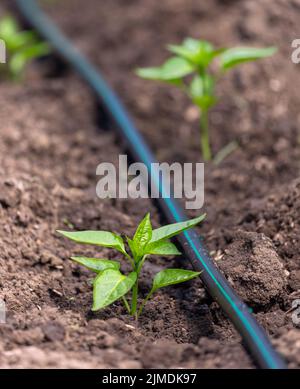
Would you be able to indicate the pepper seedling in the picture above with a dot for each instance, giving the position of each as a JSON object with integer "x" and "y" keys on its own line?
{"x": 21, "y": 46}
{"x": 110, "y": 284}
{"x": 190, "y": 70}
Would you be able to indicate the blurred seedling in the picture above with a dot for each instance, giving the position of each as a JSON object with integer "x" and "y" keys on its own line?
{"x": 22, "y": 47}
{"x": 191, "y": 70}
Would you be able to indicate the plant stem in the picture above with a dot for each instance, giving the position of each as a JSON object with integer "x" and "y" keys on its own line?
{"x": 126, "y": 304}
{"x": 139, "y": 262}
{"x": 138, "y": 267}
{"x": 204, "y": 134}
{"x": 134, "y": 298}
{"x": 225, "y": 152}
{"x": 130, "y": 260}
{"x": 144, "y": 303}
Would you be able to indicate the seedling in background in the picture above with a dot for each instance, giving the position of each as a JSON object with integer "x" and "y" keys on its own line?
{"x": 110, "y": 284}
{"x": 190, "y": 70}
{"x": 22, "y": 47}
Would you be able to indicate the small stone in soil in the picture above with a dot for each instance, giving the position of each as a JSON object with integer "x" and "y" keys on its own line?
{"x": 54, "y": 331}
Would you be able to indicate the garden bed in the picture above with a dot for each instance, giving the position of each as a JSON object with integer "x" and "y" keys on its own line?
{"x": 52, "y": 139}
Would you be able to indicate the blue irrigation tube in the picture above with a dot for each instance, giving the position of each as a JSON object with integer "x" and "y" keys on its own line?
{"x": 253, "y": 335}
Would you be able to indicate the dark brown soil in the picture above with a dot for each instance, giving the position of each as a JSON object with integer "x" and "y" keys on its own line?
{"x": 51, "y": 144}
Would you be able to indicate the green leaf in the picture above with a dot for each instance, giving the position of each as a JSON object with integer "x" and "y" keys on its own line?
{"x": 173, "y": 69}
{"x": 98, "y": 238}
{"x": 237, "y": 55}
{"x": 163, "y": 247}
{"x": 196, "y": 87}
{"x": 15, "y": 40}
{"x": 169, "y": 277}
{"x": 35, "y": 51}
{"x": 133, "y": 247}
{"x": 154, "y": 73}
{"x": 167, "y": 232}
{"x": 203, "y": 49}
{"x": 21, "y": 58}
{"x": 198, "y": 52}
{"x": 109, "y": 286}
{"x": 8, "y": 27}
{"x": 21, "y": 40}
{"x": 202, "y": 91}
{"x": 182, "y": 52}
{"x": 143, "y": 234}
{"x": 202, "y": 85}
{"x": 192, "y": 44}
{"x": 95, "y": 264}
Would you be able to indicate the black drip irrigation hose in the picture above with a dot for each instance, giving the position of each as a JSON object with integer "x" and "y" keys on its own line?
{"x": 253, "y": 335}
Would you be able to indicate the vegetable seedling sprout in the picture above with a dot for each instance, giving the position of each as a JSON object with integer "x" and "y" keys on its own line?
{"x": 191, "y": 71}
{"x": 110, "y": 284}
{"x": 21, "y": 46}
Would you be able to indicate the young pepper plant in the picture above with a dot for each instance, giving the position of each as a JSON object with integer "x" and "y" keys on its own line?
{"x": 21, "y": 46}
{"x": 190, "y": 70}
{"x": 110, "y": 284}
